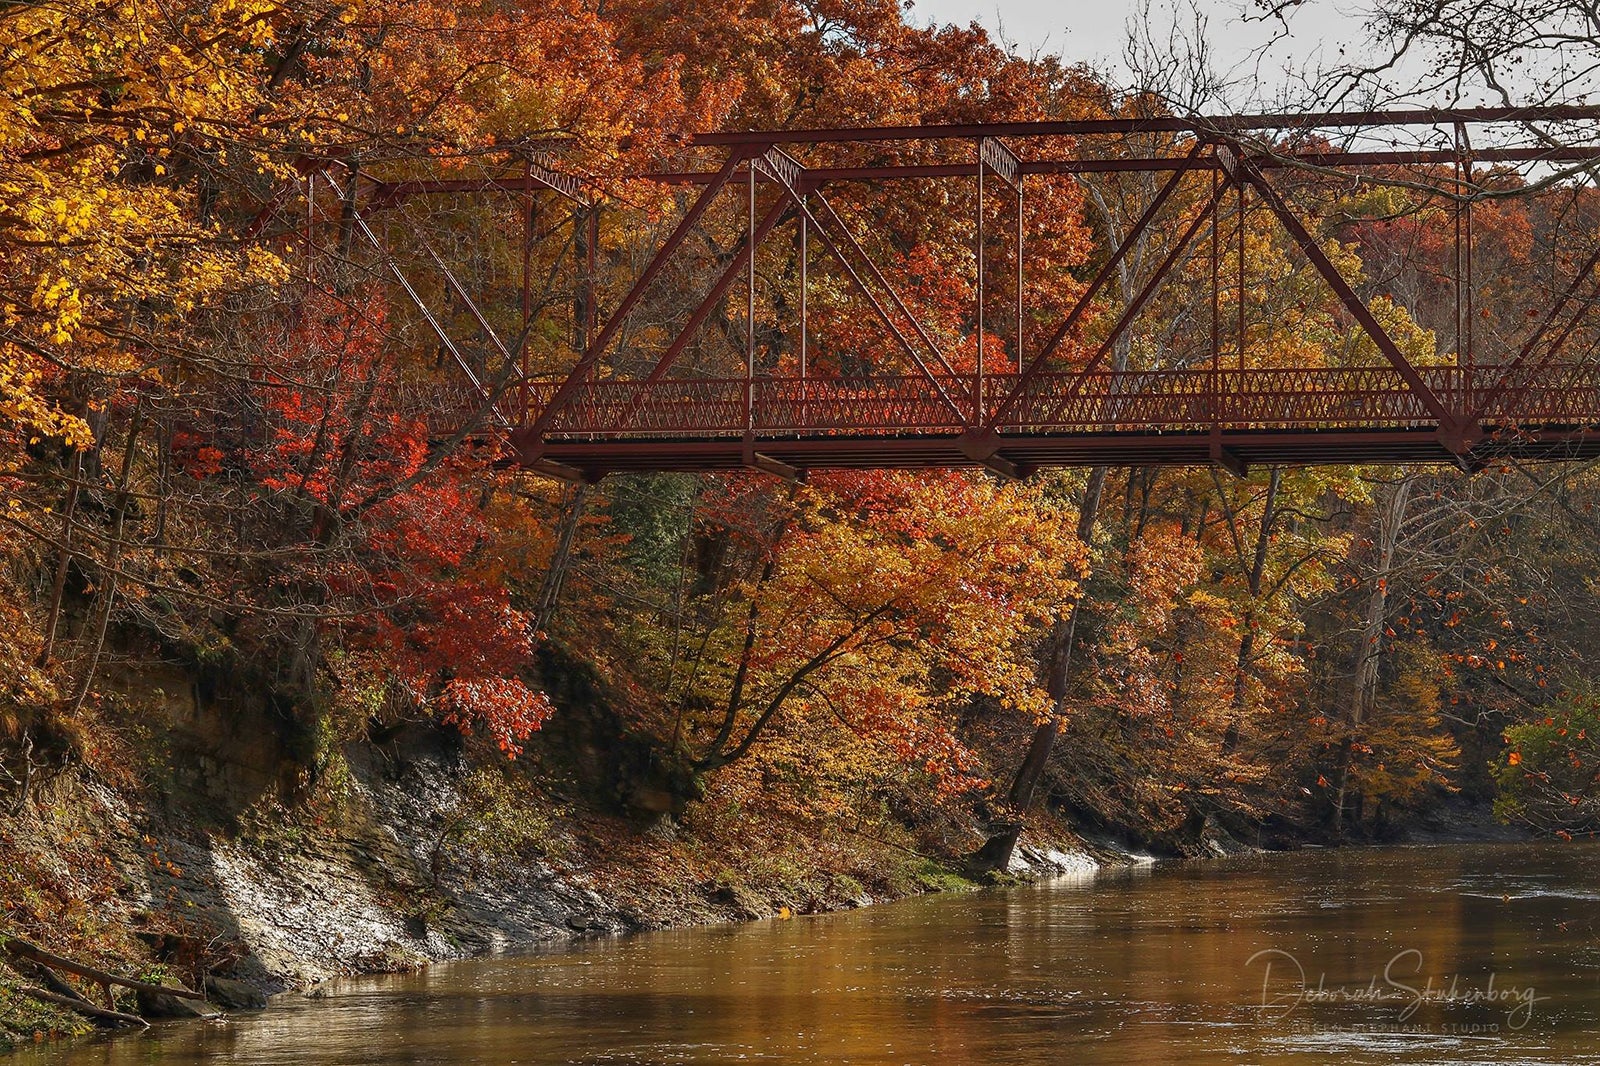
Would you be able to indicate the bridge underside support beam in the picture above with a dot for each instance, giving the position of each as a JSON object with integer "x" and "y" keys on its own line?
{"x": 1244, "y": 448}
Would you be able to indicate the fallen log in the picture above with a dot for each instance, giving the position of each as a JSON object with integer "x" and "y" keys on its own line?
{"x": 49, "y": 978}
{"x": 84, "y": 1007}
{"x": 21, "y": 949}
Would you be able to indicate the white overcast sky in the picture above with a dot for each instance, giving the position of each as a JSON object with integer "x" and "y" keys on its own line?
{"x": 1320, "y": 32}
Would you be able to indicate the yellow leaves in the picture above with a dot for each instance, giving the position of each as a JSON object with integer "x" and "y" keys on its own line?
{"x": 943, "y": 575}
{"x": 84, "y": 247}
{"x": 62, "y": 303}
{"x": 1419, "y": 345}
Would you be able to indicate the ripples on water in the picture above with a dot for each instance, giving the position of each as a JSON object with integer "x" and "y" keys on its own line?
{"x": 1146, "y": 966}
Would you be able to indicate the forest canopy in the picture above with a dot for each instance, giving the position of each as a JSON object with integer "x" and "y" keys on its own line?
{"x": 229, "y": 438}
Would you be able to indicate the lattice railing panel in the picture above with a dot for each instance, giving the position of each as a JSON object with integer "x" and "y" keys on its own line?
{"x": 1166, "y": 401}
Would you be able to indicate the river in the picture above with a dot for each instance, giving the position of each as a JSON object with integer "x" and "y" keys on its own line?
{"x": 1449, "y": 954}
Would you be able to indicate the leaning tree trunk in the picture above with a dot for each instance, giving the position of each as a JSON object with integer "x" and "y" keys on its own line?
{"x": 996, "y": 851}
{"x": 555, "y": 576}
{"x": 1369, "y": 649}
{"x": 113, "y": 560}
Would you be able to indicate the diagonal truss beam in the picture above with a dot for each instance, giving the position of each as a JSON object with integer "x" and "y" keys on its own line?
{"x": 791, "y": 177}
{"x": 894, "y": 295}
{"x": 1101, "y": 278}
{"x": 1502, "y": 384}
{"x": 1452, "y": 425}
{"x": 736, "y": 262}
{"x": 1129, "y": 313}
{"x": 485, "y": 393}
{"x": 528, "y": 438}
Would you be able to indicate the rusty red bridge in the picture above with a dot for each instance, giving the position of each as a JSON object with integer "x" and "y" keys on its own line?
{"x": 650, "y": 390}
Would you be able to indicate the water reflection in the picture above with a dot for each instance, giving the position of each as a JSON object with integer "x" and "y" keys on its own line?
{"x": 1136, "y": 966}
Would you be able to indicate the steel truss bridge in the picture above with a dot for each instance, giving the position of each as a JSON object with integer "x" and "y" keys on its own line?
{"x": 1064, "y": 402}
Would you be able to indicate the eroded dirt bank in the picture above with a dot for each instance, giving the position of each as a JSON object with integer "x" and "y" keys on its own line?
{"x": 401, "y": 854}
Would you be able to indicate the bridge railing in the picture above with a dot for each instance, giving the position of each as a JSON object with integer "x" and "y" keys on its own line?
{"x": 1156, "y": 401}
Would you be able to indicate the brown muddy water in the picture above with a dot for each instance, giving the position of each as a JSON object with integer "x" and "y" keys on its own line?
{"x": 1451, "y": 954}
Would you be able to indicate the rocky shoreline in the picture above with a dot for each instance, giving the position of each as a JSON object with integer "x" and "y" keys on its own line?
{"x": 206, "y": 868}
{"x": 398, "y": 866}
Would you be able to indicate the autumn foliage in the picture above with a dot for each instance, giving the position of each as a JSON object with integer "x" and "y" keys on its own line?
{"x": 231, "y": 439}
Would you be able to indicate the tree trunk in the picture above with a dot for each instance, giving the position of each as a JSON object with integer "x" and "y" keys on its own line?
{"x": 1247, "y": 638}
{"x": 113, "y": 558}
{"x": 555, "y": 575}
{"x": 996, "y": 851}
{"x": 1370, "y": 646}
{"x": 63, "y": 560}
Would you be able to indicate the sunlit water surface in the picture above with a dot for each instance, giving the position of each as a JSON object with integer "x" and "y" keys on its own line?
{"x": 1459, "y": 954}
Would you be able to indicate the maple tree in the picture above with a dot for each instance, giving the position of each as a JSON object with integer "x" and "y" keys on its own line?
{"x": 392, "y": 544}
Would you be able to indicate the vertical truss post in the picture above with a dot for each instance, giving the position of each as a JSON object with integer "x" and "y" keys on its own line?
{"x": 311, "y": 221}
{"x": 1459, "y": 187}
{"x": 750, "y": 310}
{"x": 527, "y": 245}
{"x": 1464, "y": 149}
{"x": 977, "y": 382}
{"x": 1220, "y": 456}
{"x": 1020, "y": 231}
{"x": 1216, "y": 309}
{"x": 1239, "y": 315}
{"x": 805, "y": 255}
{"x": 995, "y": 157}
{"x": 591, "y": 267}
{"x": 526, "y": 305}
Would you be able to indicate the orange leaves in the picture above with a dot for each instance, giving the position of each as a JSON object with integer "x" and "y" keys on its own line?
{"x": 894, "y": 597}
{"x": 469, "y": 75}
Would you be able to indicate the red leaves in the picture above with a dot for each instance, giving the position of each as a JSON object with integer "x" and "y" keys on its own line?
{"x": 510, "y": 710}
{"x": 398, "y": 541}
{"x": 194, "y": 457}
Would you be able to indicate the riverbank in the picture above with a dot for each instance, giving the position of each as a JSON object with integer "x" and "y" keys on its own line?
{"x": 1159, "y": 964}
{"x": 410, "y": 855}
{"x": 203, "y": 834}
